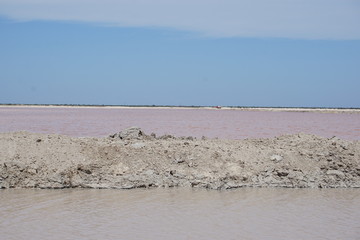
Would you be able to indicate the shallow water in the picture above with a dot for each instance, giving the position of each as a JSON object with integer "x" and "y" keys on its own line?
{"x": 180, "y": 214}
{"x": 229, "y": 124}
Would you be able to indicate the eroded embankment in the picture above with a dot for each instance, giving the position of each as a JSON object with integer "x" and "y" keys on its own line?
{"x": 131, "y": 159}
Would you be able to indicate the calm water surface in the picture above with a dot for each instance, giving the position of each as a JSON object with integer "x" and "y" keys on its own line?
{"x": 230, "y": 124}
{"x": 180, "y": 214}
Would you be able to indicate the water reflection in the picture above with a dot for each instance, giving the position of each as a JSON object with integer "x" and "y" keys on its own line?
{"x": 180, "y": 214}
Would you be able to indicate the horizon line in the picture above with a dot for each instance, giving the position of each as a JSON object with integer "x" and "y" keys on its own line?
{"x": 171, "y": 106}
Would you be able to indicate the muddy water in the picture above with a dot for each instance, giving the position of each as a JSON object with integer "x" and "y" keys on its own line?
{"x": 230, "y": 124}
{"x": 180, "y": 214}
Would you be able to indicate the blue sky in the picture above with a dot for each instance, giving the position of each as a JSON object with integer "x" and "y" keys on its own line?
{"x": 239, "y": 53}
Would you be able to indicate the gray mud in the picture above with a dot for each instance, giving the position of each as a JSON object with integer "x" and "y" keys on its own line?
{"x": 131, "y": 159}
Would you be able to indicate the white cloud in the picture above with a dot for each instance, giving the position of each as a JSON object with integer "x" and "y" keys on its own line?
{"x": 304, "y": 19}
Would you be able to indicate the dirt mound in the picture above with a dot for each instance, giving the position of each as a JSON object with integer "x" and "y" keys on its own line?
{"x": 132, "y": 159}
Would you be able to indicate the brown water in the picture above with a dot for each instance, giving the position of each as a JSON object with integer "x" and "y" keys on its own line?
{"x": 230, "y": 124}
{"x": 180, "y": 214}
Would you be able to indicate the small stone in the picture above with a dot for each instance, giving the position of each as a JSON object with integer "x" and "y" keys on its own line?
{"x": 149, "y": 172}
{"x": 166, "y": 137}
{"x": 282, "y": 173}
{"x": 295, "y": 175}
{"x": 138, "y": 145}
{"x": 129, "y": 133}
{"x": 335, "y": 172}
{"x": 231, "y": 184}
{"x": 4, "y": 185}
{"x": 270, "y": 180}
{"x": 345, "y": 147}
{"x": 276, "y": 158}
{"x": 32, "y": 171}
{"x": 179, "y": 160}
{"x": 84, "y": 169}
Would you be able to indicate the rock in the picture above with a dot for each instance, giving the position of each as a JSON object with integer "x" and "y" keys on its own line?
{"x": 85, "y": 169}
{"x": 231, "y": 184}
{"x": 276, "y": 158}
{"x": 4, "y": 185}
{"x": 295, "y": 175}
{"x": 179, "y": 157}
{"x": 129, "y": 133}
{"x": 166, "y": 137}
{"x": 32, "y": 171}
{"x": 344, "y": 146}
{"x": 178, "y": 160}
{"x": 270, "y": 180}
{"x": 15, "y": 165}
{"x": 138, "y": 145}
{"x": 335, "y": 172}
{"x": 149, "y": 172}
{"x": 282, "y": 173}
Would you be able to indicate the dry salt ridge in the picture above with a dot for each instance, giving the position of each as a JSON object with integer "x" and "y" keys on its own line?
{"x": 132, "y": 159}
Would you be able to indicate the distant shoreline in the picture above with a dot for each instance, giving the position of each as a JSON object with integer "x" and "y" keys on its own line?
{"x": 239, "y": 108}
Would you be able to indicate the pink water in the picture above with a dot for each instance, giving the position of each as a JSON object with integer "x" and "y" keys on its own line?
{"x": 318, "y": 214}
{"x": 230, "y": 124}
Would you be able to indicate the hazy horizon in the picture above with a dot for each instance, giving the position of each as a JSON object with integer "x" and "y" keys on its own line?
{"x": 180, "y": 106}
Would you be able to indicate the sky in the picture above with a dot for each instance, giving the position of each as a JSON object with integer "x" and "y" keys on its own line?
{"x": 269, "y": 53}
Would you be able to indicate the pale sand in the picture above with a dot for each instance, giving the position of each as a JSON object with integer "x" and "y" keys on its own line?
{"x": 31, "y": 160}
